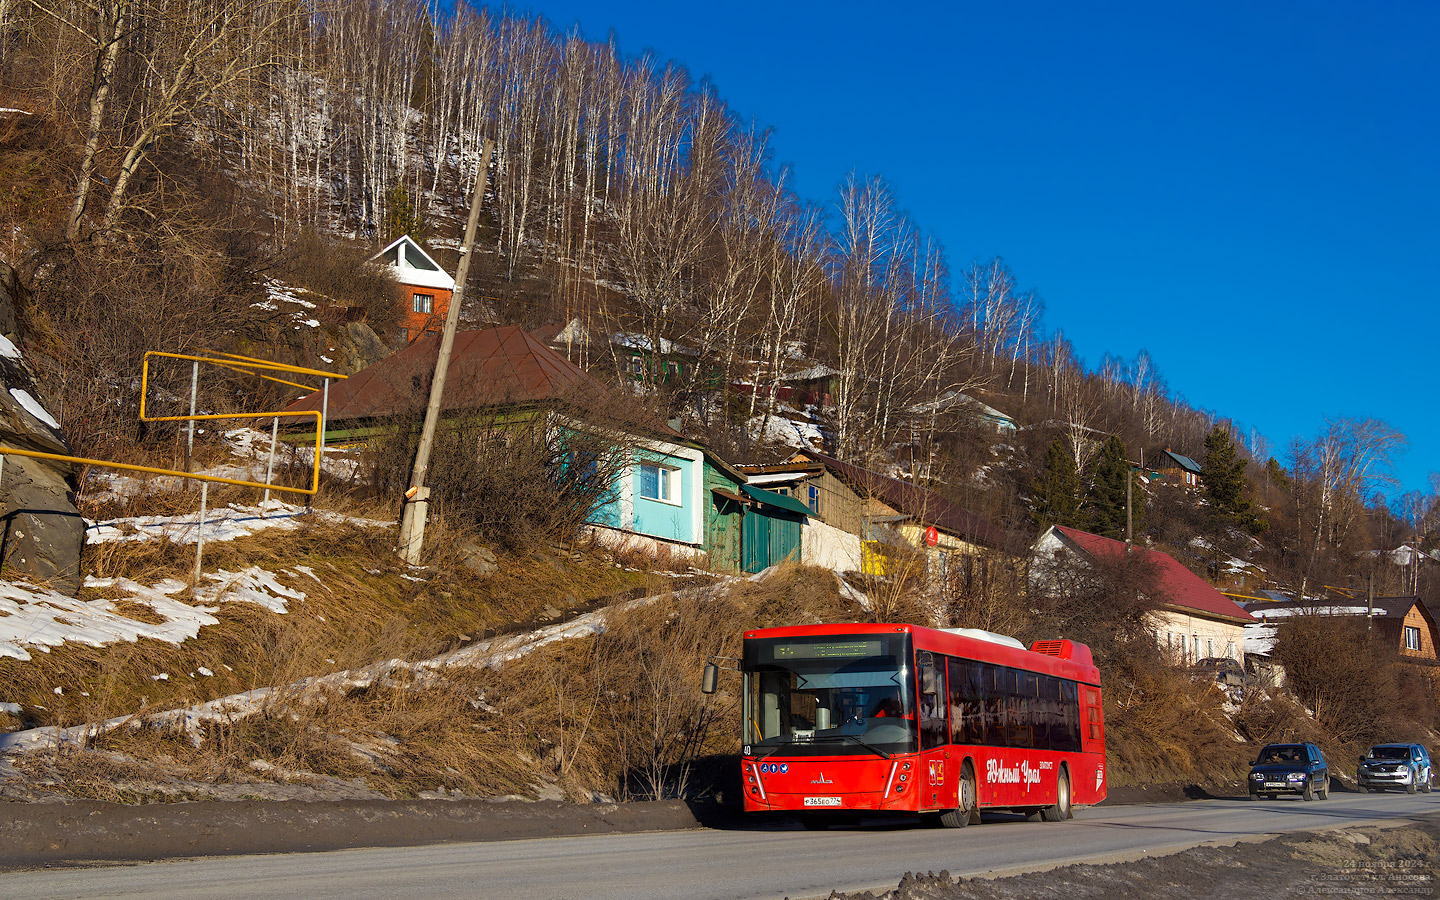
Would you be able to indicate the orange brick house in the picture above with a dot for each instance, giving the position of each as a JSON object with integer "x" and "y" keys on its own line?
{"x": 428, "y": 287}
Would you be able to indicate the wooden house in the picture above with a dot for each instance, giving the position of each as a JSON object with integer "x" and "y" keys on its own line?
{"x": 1409, "y": 626}
{"x": 427, "y": 287}
{"x": 1169, "y": 467}
{"x": 830, "y": 533}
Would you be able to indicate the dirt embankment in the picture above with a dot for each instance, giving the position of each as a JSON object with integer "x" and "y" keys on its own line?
{"x": 1361, "y": 862}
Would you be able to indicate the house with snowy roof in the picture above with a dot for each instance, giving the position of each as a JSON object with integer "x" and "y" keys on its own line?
{"x": 1193, "y": 621}
{"x": 428, "y": 287}
{"x": 1404, "y": 623}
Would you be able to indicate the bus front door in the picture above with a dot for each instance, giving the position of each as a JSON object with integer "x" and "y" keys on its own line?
{"x": 939, "y": 772}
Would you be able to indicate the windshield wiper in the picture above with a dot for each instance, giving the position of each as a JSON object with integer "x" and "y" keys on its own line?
{"x": 857, "y": 739}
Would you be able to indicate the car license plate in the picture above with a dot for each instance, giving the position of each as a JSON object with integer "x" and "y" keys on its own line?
{"x": 1274, "y": 784}
{"x": 822, "y": 801}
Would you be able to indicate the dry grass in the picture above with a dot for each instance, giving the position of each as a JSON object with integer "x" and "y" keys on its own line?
{"x": 1162, "y": 726}
{"x": 363, "y": 608}
{"x": 619, "y": 714}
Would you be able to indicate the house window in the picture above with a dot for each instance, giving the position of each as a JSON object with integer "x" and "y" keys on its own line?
{"x": 1412, "y": 637}
{"x": 1209, "y": 648}
{"x": 637, "y": 366}
{"x": 423, "y": 303}
{"x": 813, "y": 501}
{"x": 660, "y": 483}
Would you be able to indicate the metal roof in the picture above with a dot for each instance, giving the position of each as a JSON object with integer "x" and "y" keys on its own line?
{"x": 1185, "y": 462}
{"x": 773, "y": 499}
{"x": 488, "y": 368}
{"x": 1180, "y": 586}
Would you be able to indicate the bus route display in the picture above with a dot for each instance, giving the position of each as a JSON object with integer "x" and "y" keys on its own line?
{"x": 829, "y": 650}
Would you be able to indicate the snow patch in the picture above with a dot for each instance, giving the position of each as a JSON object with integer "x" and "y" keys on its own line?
{"x": 39, "y": 619}
{"x": 32, "y": 406}
{"x": 227, "y": 524}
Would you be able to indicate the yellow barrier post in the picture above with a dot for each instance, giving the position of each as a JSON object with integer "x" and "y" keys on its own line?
{"x": 232, "y": 362}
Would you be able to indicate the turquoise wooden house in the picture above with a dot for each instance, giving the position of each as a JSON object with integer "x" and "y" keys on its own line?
{"x": 659, "y": 498}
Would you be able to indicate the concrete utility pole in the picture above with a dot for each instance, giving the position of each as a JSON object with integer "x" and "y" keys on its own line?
{"x": 417, "y": 499}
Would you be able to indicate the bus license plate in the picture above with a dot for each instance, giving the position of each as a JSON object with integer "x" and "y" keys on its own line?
{"x": 822, "y": 801}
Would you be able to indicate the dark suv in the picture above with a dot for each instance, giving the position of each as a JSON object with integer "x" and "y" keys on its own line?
{"x": 1395, "y": 766}
{"x": 1290, "y": 769}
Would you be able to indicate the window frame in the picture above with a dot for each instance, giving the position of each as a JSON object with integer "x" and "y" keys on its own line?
{"x": 1409, "y": 632}
{"x": 429, "y": 303}
{"x": 667, "y": 483}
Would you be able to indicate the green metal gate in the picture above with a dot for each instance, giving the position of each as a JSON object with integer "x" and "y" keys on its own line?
{"x": 771, "y": 533}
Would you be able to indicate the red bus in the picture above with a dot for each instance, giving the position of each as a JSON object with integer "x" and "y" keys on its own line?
{"x": 899, "y": 718}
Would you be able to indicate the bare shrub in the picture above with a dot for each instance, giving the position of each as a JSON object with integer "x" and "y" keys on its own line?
{"x": 988, "y": 591}
{"x": 1343, "y": 674}
{"x": 647, "y": 663}
{"x": 1103, "y": 602}
{"x": 515, "y": 479}
{"x": 903, "y": 593}
{"x": 342, "y": 271}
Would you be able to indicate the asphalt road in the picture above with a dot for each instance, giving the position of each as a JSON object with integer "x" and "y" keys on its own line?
{"x": 754, "y": 863}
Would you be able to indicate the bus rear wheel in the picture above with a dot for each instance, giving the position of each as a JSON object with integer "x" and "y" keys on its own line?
{"x": 968, "y": 810}
{"x": 1061, "y": 810}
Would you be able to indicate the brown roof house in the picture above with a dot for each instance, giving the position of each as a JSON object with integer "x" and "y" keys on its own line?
{"x": 1195, "y": 621}
{"x": 658, "y": 496}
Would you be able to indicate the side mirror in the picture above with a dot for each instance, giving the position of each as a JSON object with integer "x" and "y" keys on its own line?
{"x": 710, "y": 679}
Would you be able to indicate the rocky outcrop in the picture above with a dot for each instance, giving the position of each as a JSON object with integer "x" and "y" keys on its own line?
{"x": 41, "y": 532}
{"x": 362, "y": 347}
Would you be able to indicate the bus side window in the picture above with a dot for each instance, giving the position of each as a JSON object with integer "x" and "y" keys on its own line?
{"x": 1070, "y": 716}
{"x": 1041, "y": 711}
{"x": 967, "y": 702}
{"x": 994, "y": 707}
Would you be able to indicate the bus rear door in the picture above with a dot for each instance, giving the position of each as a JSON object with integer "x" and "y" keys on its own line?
{"x": 1089, "y": 787}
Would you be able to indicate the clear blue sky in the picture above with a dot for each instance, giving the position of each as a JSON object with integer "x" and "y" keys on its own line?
{"x": 1247, "y": 190}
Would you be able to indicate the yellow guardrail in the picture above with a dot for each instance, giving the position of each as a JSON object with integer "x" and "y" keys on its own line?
{"x": 234, "y": 363}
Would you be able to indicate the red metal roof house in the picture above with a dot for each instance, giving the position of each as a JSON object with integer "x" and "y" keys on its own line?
{"x": 1194, "y": 622}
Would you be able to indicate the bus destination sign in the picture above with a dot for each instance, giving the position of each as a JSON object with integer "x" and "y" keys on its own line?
{"x": 829, "y": 650}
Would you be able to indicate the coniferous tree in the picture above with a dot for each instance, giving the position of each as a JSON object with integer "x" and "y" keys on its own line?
{"x": 1057, "y": 491}
{"x": 1275, "y": 474}
{"x": 1105, "y": 502}
{"x": 1223, "y": 477}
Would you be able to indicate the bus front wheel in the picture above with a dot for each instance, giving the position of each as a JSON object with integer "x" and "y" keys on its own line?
{"x": 968, "y": 811}
{"x": 1061, "y": 810}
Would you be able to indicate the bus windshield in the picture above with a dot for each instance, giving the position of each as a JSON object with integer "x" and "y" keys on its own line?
{"x": 833, "y": 695}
